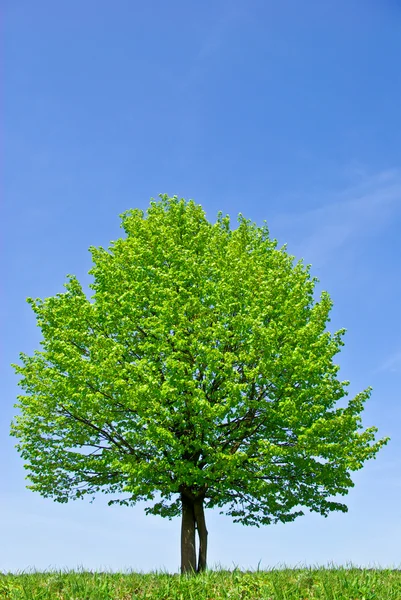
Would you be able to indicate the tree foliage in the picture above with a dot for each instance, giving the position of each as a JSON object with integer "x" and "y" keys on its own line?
{"x": 202, "y": 365}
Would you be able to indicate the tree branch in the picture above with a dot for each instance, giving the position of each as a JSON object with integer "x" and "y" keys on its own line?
{"x": 88, "y": 423}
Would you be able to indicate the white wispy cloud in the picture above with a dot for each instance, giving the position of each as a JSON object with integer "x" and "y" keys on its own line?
{"x": 341, "y": 219}
{"x": 219, "y": 31}
{"x": 392, "y": 364}
{"x": 216, "y": 35}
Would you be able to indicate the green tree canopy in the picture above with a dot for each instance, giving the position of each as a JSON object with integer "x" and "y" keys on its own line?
{"x": 200, "y": 369}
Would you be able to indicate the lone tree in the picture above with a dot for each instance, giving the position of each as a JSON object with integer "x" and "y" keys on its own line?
{"x": 201, "y": 370}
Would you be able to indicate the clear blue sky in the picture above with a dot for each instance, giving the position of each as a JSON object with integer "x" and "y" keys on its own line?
{"x": 286, "y": 111}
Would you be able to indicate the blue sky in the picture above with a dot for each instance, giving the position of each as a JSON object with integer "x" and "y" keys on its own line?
{"x": 284, "y": 111}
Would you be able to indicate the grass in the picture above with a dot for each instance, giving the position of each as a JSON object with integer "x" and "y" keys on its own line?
{"x": 277, "y": 584}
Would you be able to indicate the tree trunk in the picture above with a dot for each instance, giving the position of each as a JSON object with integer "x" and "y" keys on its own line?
{"x": 188, "y": 553}
{"x": 202, "y": 532}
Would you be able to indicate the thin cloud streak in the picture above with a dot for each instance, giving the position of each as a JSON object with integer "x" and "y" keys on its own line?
{"x": 320, "y": 233}
{"x": 392, "y": 364}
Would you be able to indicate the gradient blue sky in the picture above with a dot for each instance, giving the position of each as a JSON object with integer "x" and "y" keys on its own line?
{"x": 284, "y": 111}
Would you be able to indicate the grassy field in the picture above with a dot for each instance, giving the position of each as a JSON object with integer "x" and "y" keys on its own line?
{"x": 277, "y": 584}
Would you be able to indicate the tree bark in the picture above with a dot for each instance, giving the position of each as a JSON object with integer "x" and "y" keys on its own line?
{"x": 188, "y": 552}
{"x": 199, "y": 513}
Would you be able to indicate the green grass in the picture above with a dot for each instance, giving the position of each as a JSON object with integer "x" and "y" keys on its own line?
{"x": 349, "y": 583}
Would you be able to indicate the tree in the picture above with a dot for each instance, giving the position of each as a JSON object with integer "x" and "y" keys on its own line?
{"x": 201, "y": 370}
